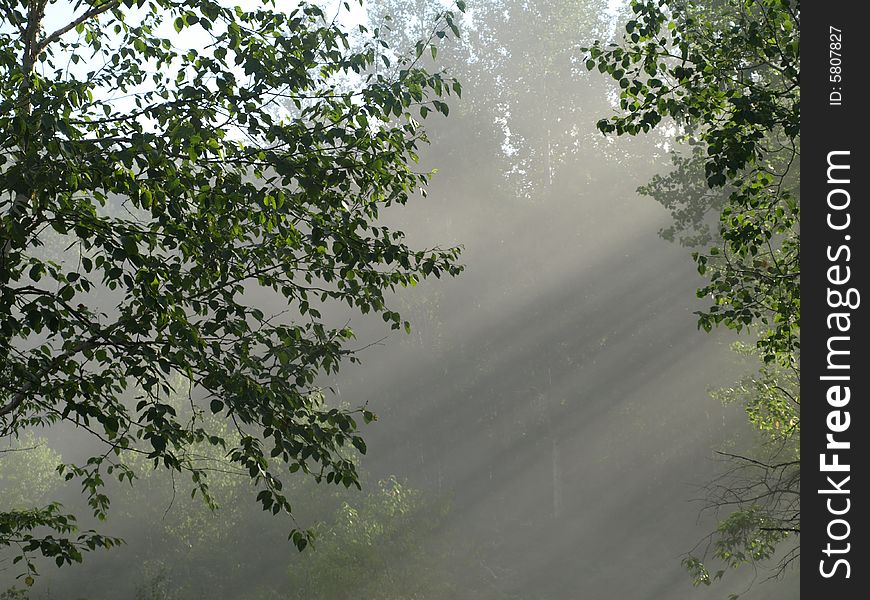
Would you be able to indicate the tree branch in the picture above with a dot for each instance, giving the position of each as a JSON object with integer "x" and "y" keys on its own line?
{"x": 19, "y": 396}
{"x": 94, "y": 12}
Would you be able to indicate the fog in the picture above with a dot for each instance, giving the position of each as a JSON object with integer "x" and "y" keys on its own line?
{"x": 550, "y": 406}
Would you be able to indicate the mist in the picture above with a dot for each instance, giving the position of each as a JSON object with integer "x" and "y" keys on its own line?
{"x": 548, "y": 416}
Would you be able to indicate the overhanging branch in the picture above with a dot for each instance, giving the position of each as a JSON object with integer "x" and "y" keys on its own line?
{"x": 94, "y": 12}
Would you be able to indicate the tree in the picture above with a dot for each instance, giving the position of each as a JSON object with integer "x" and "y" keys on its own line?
{"x": 731, "y": 81}
{"x": 386, "y": 546}
{"x": 760, "y": 491}
{"x": 377, "y": 547}
{"x": 212, "y": 190}
{"x": 522, "y": 60}
{"x": 726, "y": 73}
{"x": 387, "y": 542}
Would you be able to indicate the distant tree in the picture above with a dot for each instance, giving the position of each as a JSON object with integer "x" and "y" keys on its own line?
{"x": 212, "y": 190}
{"x": 520, "y": 62}
{"x": 27, "y": 472}
{"x": 384, "y": 543}
{"x": 173, "y": 534}
{"x": 693, "y": 204}
{"x": 726, "y": 74}
{"x": 386, "y": 546}
{"x": 379, "y": 547}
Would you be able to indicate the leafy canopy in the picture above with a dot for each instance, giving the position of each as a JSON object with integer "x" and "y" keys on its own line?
{"x": 183, "y": 187}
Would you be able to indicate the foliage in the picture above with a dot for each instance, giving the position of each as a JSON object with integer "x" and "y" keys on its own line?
{"x": 693, "y": 205}
{"x": 726, "y": 74}
{"x": 761, "y": 490}
{"x": 383, "y": 544}
{"x": 27, "y": 471}
{"x": 197, "y": 188}
{"x": 386, "y": 547}
{"x": 374, "y": 549}
{"x": 173, "y": 536}
{"x": 27, "y": 478}
{"x": 771, "y": 398}
{"x": 175, "y": 552}
{"x": 14, "y": 594}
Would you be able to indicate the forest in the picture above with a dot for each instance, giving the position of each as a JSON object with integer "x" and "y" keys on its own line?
{"x": 399, "y": 299}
